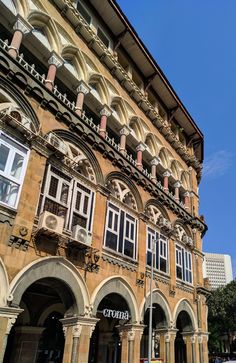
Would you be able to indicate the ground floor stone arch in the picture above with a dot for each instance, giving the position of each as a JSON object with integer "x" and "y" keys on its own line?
{"x": 185, "y": 323}
{"x": 52, "y": 297}
{"x": 161, "y": 322}
{"x": 117, "y": 333}
{"x": 121, "y": 287}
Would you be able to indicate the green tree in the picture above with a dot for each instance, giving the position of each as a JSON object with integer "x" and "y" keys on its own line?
{"x": 221, "y": 314}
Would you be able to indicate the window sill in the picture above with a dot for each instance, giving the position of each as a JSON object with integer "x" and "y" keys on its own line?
{"x": 7, "y": 214}
{"x": 184, "y": 284}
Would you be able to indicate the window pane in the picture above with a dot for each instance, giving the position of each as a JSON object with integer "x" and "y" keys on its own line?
{"x": 86, "y": 200}
{"x": 55, "y": 208}
{"x": 149, "y": 258}
{"x": 53, "y": 187}
{"x": 179, "y": 272}
{"x": 127, "y": 229}
{"x": 111, "y": 240}
{"x": 110, "y": 215}
{"x": 4, "y": 152}
{"x": 116, "y": 223}
{"x": 163, "y": 264}
{"x": 8, "y": 192}
{"x": 78, "y": 201}
{"x": 17, "y": 166}
{"x": 129, "y": 249}
{"x": 64, "y": 193}
{"x": 132, "y": 231}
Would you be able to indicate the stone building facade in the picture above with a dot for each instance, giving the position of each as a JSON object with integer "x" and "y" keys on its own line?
{"x": 100, "y": 164}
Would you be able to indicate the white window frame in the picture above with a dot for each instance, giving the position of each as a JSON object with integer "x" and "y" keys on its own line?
{"x": 56, "y": 199}
{"x": 186, "y": 264}
{"x": 73, "y": 210}
{"x": 159, "y": 241}
{"x": 128, "y": 218}
{"x": 6, "y": 173}
{"x": 132, "y": 221}
{"x": 112, "y": 209}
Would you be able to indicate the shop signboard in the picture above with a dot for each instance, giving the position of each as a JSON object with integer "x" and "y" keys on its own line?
{"x": 116, "y": 314}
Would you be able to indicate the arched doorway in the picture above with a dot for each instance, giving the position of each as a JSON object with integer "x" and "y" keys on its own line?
{"x": 46, "y": 290}
{"x": 185, "y": 327}
{"x": 37, "y": 335}
{"x": 105, "y": 345}
{"x": 159, "y": 322}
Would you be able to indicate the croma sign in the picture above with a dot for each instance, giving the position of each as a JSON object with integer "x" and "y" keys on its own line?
{"x": 116, "y": 314}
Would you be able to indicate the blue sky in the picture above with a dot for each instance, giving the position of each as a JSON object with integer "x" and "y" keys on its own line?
{"x": 193, "y": 41}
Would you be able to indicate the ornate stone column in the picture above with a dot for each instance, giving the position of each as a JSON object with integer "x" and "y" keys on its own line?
{"x": 187, "y": 340}
{"x": 105, "y": 113}
{"x": 154, "y": 162}
{"x": 166, "y": 176}
{"x": 193, "y": 343}
{"x": 140, "y": 149}
{"x": 55, "y": 61}
{"x": 187, "y": 200}
{"x": 170, "y": 346}
{"x": 130, "y": 335}
{"x": 78, "y": 331}
{"x": 8, "y": 318}
{"x": 21, "y": 27}
{"x": 82, "y": 90}
{"x": 200, "y": 347}
{"x": 177, "y": 185}
{"x": 124, "y": 132}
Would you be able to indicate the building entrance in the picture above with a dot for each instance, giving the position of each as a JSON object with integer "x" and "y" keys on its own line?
{"x": 105, "y": 345}
{"x": 37, "y": 336}
{"x": 185, "y": 327}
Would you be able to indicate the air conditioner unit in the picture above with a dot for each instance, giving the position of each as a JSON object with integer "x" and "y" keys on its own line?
{"x": 80, "y": 234}
{"x": 57, "y": 143}
{"x": 17, "y": 118}
{"x": 51, "y": 222}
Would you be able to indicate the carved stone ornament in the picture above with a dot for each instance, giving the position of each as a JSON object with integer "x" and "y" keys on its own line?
{"x": 22, "y": 25}
{"x": 106, "y": 111}
{"x": 76, "y": 331}
{"x": 56, "y": 60}
{"x": 83, "y": 88}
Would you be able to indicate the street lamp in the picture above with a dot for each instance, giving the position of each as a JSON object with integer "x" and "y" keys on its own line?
{"x": 151, "y": 307}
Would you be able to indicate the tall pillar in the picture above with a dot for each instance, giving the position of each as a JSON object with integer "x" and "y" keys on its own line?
{"x": 166, "y": 176}
{"x": 154, "y": 162}
{"x": 170, "y": 346}
{"x": 124, "y": 132}
{"x": 187, "y": 200}
{"x": 21, "y": 27}
{"x": 187, "y": 340}
{"x": 200, "y": 347}
{"x": 177, "y": 185}
{"x": 55, "y": 61}
{"x": 140, "y": 149}
{"x": 130, "y": 335}
{"x": 82, "y": 90}
{"x": 105, "y": 113}
{"x": 78, "y": 331}
{"x": 193, "y": 343}
{"x": 8, "y": 318}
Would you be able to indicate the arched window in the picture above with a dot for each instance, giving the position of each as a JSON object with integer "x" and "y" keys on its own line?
{"x": 121, "y": 224}
{"x": 42, "y": 37}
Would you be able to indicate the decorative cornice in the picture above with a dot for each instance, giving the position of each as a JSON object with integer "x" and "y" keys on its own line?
{"x": 87, "y": 131}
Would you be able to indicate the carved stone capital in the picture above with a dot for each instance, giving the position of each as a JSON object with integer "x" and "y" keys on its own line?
{"x": 167, "y": 173}
{"x": 22, "y": 25}
{"x": 125, "y": 130}
{"x": 55, "y": 59}
{"x": 177, "y": 184}
{"x": 155, "y": 161}
{"x": 105, "y": 111}
{"x": 76, "y": 330}
{"x": 83, "y": 88}
{"x": 187, "y": 194}
{"x": 141, "y": 147}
